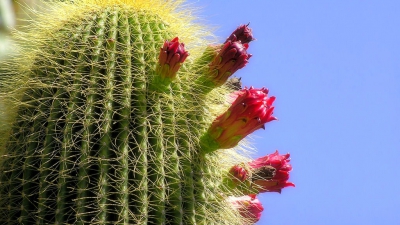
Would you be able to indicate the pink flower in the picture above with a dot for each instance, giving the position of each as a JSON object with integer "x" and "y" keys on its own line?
{"x": 270, "y": 173}
{"x": 242, "y": 33}
{"x": 248, "y": 206}
{"x": 172, "y": 55}
{"x": 228, "y": 59}
{"x": 249, "y": 112}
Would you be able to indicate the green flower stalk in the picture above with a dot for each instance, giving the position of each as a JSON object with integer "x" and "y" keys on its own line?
{"x": 106, "y": 120}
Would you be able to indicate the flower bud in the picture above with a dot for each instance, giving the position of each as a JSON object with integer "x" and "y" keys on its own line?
{"x": 248, "y": 206}
{"x": 249, "y": 112}
{"x": 171, "y": 57}
{"x": 238, "y": 173}
{"x": 228, "y": 59}
{"x": 242, "y": 33}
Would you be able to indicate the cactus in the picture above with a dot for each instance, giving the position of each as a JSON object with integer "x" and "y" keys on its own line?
{"x": 106, "y": 128}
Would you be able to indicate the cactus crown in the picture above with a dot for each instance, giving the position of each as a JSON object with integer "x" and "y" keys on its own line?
{"x": 94, "y": 134}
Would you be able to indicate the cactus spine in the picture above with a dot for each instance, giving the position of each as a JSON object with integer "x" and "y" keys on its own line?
{"x": 96, "y": 137}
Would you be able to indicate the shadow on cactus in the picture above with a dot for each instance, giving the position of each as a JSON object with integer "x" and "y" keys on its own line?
{"x": 109, "y": 118}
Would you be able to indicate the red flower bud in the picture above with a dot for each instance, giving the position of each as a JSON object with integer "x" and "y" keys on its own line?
{"x": 249, "y": 112}
{"x": 270, "y": 173}
{"x": 231, "y": 57}
{"x": 172, "y": 55}
{"x": 248, "y": 206}
{"x": 242, "y": 33}
{"x": 239, "y": 173}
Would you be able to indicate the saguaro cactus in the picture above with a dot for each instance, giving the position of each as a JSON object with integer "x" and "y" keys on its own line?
{"x": 108, "y": 121}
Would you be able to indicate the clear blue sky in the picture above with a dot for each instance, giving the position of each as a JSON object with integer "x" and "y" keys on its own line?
{"x": 334, "y": 67}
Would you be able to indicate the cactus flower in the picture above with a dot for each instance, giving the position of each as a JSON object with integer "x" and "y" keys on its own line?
{"x": 249, "y": 112}
{"x": 248, "y": 206}
{"x": 270, "y": 173}
{"x": 242, "y": 33}
{"x": 172, "y": 55}
{"x": 230, "y": 57}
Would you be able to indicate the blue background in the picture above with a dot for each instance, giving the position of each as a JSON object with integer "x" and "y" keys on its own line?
{"x": 334, "y": 67}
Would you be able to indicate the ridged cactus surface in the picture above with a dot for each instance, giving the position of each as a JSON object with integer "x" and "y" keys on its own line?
{"x": 95, "y": 132}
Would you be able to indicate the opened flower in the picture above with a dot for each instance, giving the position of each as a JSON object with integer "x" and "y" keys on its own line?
{"x": 228, "y": 59}
{"x": 172, "y": 55}
{"x": 248, "y": 206}
{"x": 270, "y": 173}
{"x": 242, "y": 33}
{"x": 249, "y": 112}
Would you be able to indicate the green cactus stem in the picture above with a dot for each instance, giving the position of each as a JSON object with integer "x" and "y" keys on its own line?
{"x": 96, "y": 135}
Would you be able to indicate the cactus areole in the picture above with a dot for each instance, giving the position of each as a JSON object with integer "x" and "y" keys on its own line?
{"x": 106, "y": 115}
